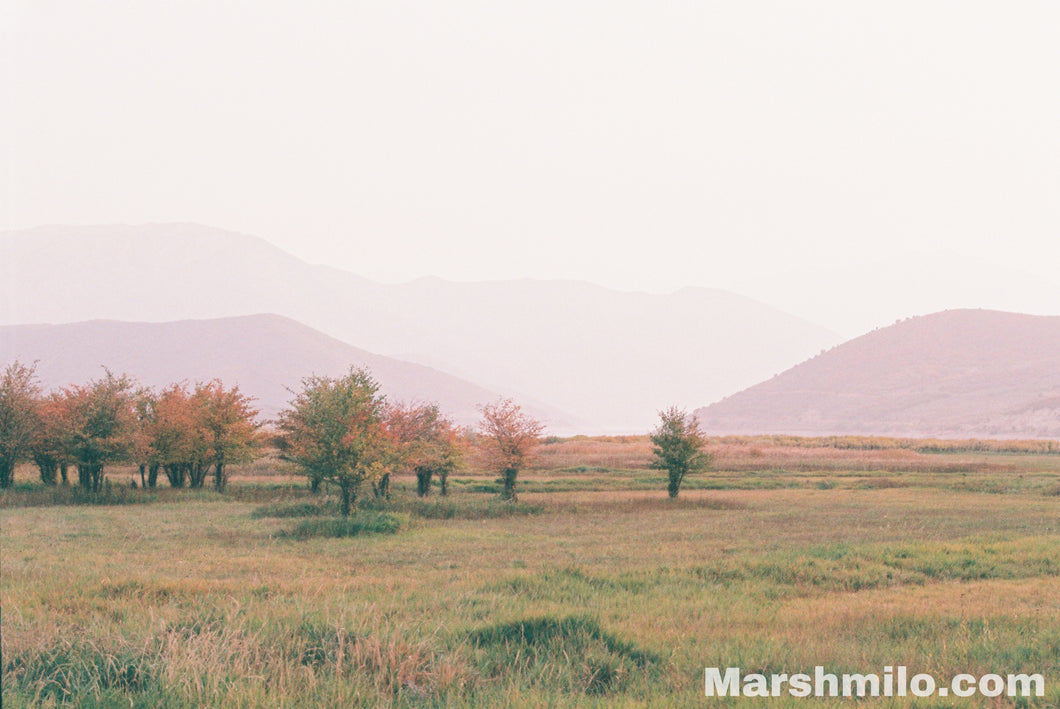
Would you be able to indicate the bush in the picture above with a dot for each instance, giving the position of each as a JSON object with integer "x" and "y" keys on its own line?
{"x": 296, "y": 509}
{"x": 883, "y": 483}
{"x": 475, "y": 509}
{"x": 352, "y": 526}
{"x": 460, "y": 507}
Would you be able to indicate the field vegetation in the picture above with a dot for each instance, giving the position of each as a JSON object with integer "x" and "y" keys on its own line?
{"x": 594, "y": 589}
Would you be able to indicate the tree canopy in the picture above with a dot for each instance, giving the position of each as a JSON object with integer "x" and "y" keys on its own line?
{"x": 19, "y": 392}
{"x": 509, "y": 438}
{"x": 677, "y": 445}
{"x": 334, "y": 430}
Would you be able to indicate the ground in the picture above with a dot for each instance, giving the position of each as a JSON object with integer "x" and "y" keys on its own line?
{"x": 595, "y": 590}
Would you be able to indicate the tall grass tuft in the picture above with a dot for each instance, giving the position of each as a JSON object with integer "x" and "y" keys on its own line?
{"x": 572, "y": 653}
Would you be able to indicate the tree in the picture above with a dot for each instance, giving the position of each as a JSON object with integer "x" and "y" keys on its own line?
{"x": 51, "y": 439}
{"x": 225, "y": 420}
{"x": 334, "y": 429}
{"x": 172, "y": 437}
{"x": 428, "y": 443}
{"x": 101, "y": 426}
{"x": 19, "y": 392}
{"x": 678, "y": 447}
{"x": 510, "y": 437}
{"x": 142, "y": 450}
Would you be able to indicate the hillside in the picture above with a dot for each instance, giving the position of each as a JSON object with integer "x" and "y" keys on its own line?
{"x": 610, "y": 358}
{"x": 264, "y": 354}
{"x": 959, "y": 373}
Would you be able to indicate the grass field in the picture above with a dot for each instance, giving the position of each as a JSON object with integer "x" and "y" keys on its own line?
{"x": 595, "y": 590}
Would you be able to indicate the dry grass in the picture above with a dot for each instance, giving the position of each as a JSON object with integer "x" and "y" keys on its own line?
{"x": 194, "y": 602}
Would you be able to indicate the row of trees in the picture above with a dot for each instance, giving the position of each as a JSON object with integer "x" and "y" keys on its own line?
{"x": 340, "y": 431}
{"x": 184, "y": 432}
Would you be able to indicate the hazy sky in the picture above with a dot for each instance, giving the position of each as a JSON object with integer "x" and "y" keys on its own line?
{"x": 642, "y": 145}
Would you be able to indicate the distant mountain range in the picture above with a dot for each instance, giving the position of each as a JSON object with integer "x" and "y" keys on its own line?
{"x": 265, "y": 355}
{"x": 609, "y": 359}
{"x": 960, "y": 373}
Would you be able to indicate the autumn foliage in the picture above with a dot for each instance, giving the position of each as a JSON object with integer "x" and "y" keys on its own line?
{"x": 509, "y": 437}
{"x": 428, "y": 444}
{"x": 112, "y": 420}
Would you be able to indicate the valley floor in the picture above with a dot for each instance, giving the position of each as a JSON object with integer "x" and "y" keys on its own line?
{"x": 595, "y": 590}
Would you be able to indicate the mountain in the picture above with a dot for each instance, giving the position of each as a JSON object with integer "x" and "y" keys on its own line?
{"x": 957, "y": 373}
{"x": 266, "y": 355}
{"x": 610, "y": 358}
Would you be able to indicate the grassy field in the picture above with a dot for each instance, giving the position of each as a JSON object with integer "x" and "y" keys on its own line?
{"x": 594, "y": 590}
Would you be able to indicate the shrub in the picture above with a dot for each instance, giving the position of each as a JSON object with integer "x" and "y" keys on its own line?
{"x": 352, "y": 526}
{"x": 296, "y": 509}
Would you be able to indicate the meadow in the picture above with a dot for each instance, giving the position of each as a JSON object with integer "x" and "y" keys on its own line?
{"x": 593, "y": 590}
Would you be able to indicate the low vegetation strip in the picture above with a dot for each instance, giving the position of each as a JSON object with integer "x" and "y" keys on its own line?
{"x": 297, "y": 509}
{"x": 355, "y": 525}
{"x": 800, "y": 572}
{"x": 464, "y": 507}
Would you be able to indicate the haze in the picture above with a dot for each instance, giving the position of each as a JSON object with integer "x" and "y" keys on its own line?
{"x": 787, "y": 151}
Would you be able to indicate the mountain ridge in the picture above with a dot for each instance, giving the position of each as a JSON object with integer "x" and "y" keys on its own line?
{"x": 610, "y": 358}
{"x": 265, "y": 355}
{"x": 956, "y": 373}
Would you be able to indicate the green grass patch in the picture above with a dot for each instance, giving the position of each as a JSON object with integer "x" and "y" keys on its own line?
{"x": 30, "y": 495}
{"x": 572, "y": 654}
{"x": 449, "y": 508}
{"x": 460, "y": 506}
{"x": 297, "y": 509}
{"x": 361, "y": 523}
{"x": 77, "y": 671}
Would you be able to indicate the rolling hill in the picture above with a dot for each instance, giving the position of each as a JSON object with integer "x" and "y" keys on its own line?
{"x": 266, "y": 355}
{"x": 611, "y": 359}
{"x": 957, "y": 373}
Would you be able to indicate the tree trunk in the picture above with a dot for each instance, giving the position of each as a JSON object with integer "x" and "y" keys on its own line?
{"x": 7, "y": 473}
{"x": 382, "y": 488}
{"x": 509, "y": 484}
{"x": 423, "y": 481}
{"x": 84, "y": 476}
{"x": 97, "y": 478}
{"x": 143, "y": 476}
{"x": 176, "y": 472}
{"x": 675, "y": 484}
{"x": 220, "y": 477}
{"x": 49, "y": 469}
{"x": 64, "y": 473}
{"x": 197, "y": 475}
{"x": 346, "y": 499}
{"x": 443, "y": 481}
{"x": 152, "y": 475}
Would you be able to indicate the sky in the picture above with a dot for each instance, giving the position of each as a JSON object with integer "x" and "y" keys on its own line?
{"x": 851, "y": 162}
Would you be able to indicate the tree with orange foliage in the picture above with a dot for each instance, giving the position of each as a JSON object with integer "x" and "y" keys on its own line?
{"x": 172, "y": 436}
{"x": 428, "y": 443}
{"x": 50, "y": 444}
{"x": 225, "y": 419}
{"x": 510, "y": 439}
